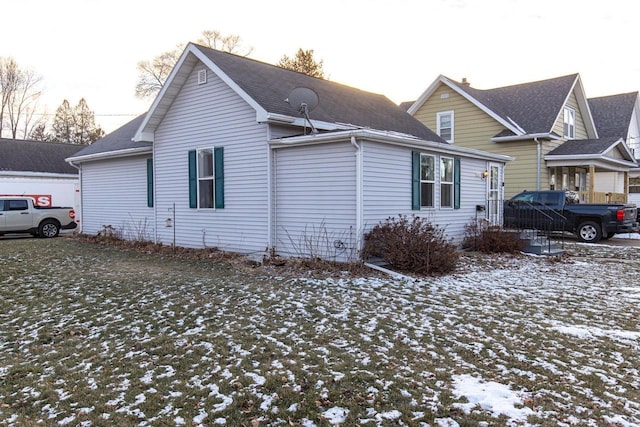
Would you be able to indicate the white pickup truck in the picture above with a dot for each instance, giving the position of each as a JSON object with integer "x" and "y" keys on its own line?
{"x": 21, "y": 215}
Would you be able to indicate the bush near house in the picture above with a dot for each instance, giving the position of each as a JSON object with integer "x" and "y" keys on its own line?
{"x": 482, "y": 237}
{"x": 411, "y": 245}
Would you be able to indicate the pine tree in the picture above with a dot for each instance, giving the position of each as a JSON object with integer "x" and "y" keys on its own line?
{"x": 304, "y": 63}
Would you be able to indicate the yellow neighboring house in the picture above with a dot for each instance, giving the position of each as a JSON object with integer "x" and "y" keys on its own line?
{"x": 546, "y": 126}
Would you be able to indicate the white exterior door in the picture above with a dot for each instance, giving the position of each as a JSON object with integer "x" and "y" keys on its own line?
{"x": 494, "y": 192}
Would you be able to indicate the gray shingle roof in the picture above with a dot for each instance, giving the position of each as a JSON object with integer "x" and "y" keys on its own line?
{"x": 533, "y": 106}
{"x": 584, "y": 146}
{"x": 270, "y": 86}
{"x": 34, "y": 156}
{"x": 119, "y": 139}
{"x": 612, "y": 114}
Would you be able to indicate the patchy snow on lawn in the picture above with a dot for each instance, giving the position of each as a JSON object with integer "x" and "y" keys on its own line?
{"x": 504, "y": 341}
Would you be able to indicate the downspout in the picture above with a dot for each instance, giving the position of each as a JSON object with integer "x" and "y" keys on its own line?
{"x": 359, "y": 202}
{"x": 80, "y": 189}
{"x": 539, "y": 153}
{"x": 271, "y": 189}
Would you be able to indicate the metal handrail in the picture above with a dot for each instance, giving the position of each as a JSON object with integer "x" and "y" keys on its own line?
{"x": 540, "y": 220}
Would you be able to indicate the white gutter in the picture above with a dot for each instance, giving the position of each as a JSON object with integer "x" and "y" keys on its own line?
{"x": 547, "y": 135}
{"x": 579, "y": 157}
{"x": 110, "y": 154}
{"x": 359, "y": 201}
{"x": 402, "y": 140}
{"x": 40, "y": 174}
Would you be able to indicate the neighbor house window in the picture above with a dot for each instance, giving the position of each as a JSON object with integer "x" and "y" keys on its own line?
{"x": 446, "y": 182}
{"x": 206, "y": 178}
{"x": 445, "y": 125}
{"x": 634, "y": 185}
{"x": 569, "y": 123}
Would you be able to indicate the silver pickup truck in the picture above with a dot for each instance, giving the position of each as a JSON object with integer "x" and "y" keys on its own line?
{"x": 21, "y": 215}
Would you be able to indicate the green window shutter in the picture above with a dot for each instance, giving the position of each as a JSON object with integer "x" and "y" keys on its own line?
{"x": 218, "y": 159}
{"x": 456, "y": 183}
{"x": 415, "y": 180}
{"x": 193, "y": 180}
{"x": 150, "y": 183}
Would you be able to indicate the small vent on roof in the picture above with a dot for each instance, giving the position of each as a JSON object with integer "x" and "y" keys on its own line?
{"x": 202, "y": 76}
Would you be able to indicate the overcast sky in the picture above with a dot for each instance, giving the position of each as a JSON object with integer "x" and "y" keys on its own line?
{"x": 90, "y": 48}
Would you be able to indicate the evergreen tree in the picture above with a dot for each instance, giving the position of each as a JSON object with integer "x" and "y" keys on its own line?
{"x": 75, "y": 125}
{"x": 304, "y": 63}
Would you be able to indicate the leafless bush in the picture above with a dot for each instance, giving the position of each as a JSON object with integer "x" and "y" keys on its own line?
{"x": 411, "y": 245}
{"x": 482, "y": 237}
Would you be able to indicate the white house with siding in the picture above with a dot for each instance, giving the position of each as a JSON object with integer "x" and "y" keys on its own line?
{"x": 222, "y": 160}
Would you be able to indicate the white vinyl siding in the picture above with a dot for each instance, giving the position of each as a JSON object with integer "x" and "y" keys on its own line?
{"x": 316, "y": 201}
{"x": 387, "y": 189}
{"x": 114, "y": 193}
{"x": 206, "y": 116}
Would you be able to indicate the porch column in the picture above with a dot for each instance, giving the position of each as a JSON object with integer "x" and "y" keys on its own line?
{"x": 626, "y": 186}
{"x": 592, "y": 180}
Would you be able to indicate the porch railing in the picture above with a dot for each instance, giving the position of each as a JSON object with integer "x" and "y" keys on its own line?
{"x": 602, "y": 197}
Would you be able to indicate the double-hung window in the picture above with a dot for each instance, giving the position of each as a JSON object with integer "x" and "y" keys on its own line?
{"x": 425, "y": 183}
{"x": 206, "y": 189}
{"x": 446, "y": 182}
{"x": 206, "y": 178}
{"x": 427, "y": 180}
{"x": 569, "y": 123}
{"x": 444, "y": 125}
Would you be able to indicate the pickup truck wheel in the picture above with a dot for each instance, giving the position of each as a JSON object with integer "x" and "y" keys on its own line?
{"x": 589, "y": 232}
{"x": 48, "y": 228}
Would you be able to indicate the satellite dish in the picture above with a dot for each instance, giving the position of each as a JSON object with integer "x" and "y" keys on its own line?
{"x": 304, "y": 100}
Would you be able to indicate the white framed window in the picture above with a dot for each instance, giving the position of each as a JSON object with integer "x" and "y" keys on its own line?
{"x": 427, "y": 180}
{"x": 446, "y": 182}
{"x": 569, "y": 123}
{"x": 444, "y": 125}
{"x": 206, "y": 179}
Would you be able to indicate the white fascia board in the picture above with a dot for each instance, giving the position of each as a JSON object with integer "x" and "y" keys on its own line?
{"x": 160, "y": 105}
{"x": 585, "y": 159}
{"x": 551, "y": 136}
{"x": 386, "y": 138}
{"x": 260, "y": 112}
{"x": 110, "y": 155}
{"x": 624, "y": 146}
{"x": 39, "y": 175}
{"x": 515, "y": 129}
{"x": 302, "y": 122}
{"x": 583, "y": 103}
{"x": 144, "y": 134}
{"x": 425, "y": 95}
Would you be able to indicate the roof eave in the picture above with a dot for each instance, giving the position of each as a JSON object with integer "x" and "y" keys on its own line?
{"x": 110, "y": 154}
{"x": 386, "y": 138}
{"x": 169, "y": 91}
{"x": 545, "y": 135}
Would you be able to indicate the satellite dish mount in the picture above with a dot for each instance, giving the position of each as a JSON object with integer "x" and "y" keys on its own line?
{"x": 304, "y": 100}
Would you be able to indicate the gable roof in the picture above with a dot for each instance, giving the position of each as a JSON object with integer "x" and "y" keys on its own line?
{"x": 524, "y": 109}
{"x": 612, "y": 114}
{"x": 594, "y": 150}
{"x": 18, "y": 155}
{"x": 266, "y": 87}
{"x": 118, "y": 142}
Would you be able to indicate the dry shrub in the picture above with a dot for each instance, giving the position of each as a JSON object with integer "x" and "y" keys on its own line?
{"x": 490, "y": 239}
{"x": 411, "y": 245}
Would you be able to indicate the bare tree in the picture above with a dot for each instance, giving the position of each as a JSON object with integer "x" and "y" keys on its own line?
{"x": 23, "y": 102}
{"x": 9, "y": 77}
{"x": 153, "y": 73}
{"x": 303, "y": 62}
